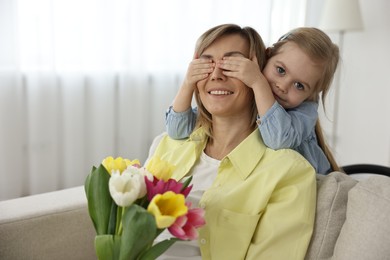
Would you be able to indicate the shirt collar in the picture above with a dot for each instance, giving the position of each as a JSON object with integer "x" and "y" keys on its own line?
{"x": 247, "y": 154}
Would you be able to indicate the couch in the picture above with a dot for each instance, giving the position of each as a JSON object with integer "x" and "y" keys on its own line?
{"x": 352, "y": 222}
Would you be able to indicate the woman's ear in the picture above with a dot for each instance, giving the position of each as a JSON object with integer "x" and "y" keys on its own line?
{"x": 195, "y": 56}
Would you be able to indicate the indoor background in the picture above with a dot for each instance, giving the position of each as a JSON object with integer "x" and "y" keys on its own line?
{"x": 84, "y": 79}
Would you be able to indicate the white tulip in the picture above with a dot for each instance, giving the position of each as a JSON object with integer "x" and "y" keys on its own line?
{"x": 140, "y": 173}
{"x": 125, "y": 188}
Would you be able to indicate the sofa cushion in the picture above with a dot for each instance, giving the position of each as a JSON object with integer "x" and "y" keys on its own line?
{"x": 332, "y": 194}
{"x": 54, "y": 225}
{"x": 366, "y": 231}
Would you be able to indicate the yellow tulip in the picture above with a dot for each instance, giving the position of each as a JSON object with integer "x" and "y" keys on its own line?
{"x": 118, "y": 164}
{"x": 162, "y": 170}
{"x": 167, "y": 207}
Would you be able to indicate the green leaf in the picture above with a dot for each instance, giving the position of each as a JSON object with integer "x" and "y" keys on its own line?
{"x": 99, "y": 199}
{"x": 186, "y": 183}
{"x": 88, "y": 180}
{"x": 113, "y": 218}
{"x": 158, "y": 249}
{"x": 139, "y": 232}
{"x": 107, "y": 247}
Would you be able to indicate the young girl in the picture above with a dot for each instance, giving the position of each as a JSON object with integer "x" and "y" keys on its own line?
{"x": 299, "y": 72}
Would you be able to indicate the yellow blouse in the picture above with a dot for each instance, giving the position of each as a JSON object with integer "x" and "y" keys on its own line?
{"x": 261, "y": 204}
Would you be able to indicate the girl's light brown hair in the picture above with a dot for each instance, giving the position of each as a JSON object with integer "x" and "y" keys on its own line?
{"x": 320, "y": 48}
{"x": 256, "y": 48}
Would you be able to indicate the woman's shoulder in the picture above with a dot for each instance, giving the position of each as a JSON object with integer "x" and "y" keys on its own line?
{"x": 289, "y": 159}
{"x": 155, "y": 142}
{"x": 163, "y": 136}
{"x": 163, "y": 144}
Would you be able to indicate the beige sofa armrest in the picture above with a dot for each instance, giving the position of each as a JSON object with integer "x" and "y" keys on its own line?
{"x": 366, "y": 231}
{"x": 332, "y": 197}
{"x": 53, "y": 225}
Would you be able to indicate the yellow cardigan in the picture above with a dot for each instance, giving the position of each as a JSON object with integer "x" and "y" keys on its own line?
{"x": 261, "y": 204}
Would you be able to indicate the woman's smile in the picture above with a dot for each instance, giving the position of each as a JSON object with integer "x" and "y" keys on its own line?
{"x": 220, "y": 92}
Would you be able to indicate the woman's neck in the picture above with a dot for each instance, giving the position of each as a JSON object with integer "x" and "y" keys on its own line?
{"x": 226, "y": 137}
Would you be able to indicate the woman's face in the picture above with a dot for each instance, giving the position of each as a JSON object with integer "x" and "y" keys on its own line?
{"x": 292, "y": 75}
{"x": 222, "y": 95}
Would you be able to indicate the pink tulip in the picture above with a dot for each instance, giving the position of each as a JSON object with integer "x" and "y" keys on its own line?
{"x": 185, "y": 227}
{"x": 160, "y": 187}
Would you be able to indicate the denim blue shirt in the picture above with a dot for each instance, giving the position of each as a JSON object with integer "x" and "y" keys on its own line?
{"x": 180, "y": 125}
{"x": 295, "y": 128}
{"x": 280, "y": 129}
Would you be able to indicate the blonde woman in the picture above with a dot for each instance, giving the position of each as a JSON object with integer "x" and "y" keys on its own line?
{"x": 259, "y": 203}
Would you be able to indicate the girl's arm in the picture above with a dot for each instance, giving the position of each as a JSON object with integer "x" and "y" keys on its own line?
{"x": 198, "y": 69}
{"x": 180, "y": 119}
{"x": 179, "y": 125}
{"x": 288, "y": 129}
{"x": 279, "y": 128}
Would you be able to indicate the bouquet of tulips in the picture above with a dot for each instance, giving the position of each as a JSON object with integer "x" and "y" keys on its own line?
{"x": 131, "y": 205}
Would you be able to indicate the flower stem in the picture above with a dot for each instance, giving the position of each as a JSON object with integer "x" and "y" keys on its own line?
{"x": 121, "y": 212}
{"x": 118, "y": 226}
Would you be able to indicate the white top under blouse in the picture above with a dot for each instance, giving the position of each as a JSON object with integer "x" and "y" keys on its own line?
{"x": 206, "y": 171}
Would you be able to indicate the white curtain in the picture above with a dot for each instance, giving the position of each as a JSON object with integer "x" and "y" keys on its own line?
{"x": 84, "y": 79}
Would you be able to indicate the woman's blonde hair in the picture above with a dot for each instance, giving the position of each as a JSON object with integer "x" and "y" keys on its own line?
{"x": 256, "y": 48}
{"x": 320, "y": 48}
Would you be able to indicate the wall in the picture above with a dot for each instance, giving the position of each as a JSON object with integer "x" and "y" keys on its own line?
{"x": 363, "y": 132}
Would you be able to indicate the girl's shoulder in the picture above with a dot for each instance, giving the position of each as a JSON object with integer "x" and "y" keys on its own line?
{"x": 308, "y": 105}
{"x": 308, "y": 108}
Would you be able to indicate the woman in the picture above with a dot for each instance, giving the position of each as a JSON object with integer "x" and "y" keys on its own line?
{"x": 259, "y": 203}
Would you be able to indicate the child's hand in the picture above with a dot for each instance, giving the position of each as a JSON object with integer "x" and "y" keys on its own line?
{"x": 198, "y": 69}
{"x": 249, "y": 73}
{"x": 244, "y": 69}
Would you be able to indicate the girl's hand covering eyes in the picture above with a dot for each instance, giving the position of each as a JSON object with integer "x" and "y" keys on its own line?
{"x": 244, "y": 69}
{"x": 198, "y": 69}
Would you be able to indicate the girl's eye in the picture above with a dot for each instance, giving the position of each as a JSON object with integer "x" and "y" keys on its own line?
{"x": 280, "y": 70}
{"x": 299, "y": 86}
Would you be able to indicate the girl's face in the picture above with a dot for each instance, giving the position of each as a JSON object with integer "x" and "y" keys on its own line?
{"x": 222, "y": 95}
{"x": 292, "y": 75}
